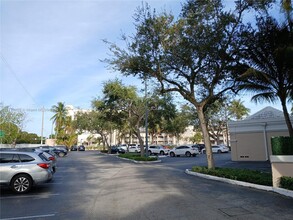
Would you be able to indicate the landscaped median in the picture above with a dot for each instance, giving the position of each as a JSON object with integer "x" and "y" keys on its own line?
{"x": 137, "y": 158}
{"x": 242, "y": 177}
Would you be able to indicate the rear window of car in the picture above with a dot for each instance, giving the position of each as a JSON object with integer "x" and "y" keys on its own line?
{"x": 9, "y": 158}
{"x": 26, "y": 158}
{"x": 43, "y": 157}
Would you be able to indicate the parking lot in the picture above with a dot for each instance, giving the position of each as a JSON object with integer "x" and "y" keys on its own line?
{"x": 89, "y": 185}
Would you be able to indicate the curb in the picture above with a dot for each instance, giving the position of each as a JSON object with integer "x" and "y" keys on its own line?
{"x": 281, "y": 191}
{"x": 140, "y": 162}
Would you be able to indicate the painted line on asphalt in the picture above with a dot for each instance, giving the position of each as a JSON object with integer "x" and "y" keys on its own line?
{"x": 54, "y": 183}
{"x": 30, "y": 196}
{"x": 30, "y": 217}
{"x": 281, "y": 191}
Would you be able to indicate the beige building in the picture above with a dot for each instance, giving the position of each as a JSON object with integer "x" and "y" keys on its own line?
{"x": 250, "y": 139}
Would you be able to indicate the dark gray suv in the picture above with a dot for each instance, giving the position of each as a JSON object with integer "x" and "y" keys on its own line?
{"x": 21, "y": 170}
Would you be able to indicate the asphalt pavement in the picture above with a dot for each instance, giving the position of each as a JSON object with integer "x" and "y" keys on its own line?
{"x": 89, "y": 185}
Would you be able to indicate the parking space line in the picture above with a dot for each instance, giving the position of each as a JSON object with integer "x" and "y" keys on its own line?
{"x": 30, "y": 217}
{"x": 29, "y": 196}
{"x": 54, "y": 183}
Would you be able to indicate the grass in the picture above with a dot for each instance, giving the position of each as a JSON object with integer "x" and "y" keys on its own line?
{"x": 137, "y": 157}
{"x": 250, "y": 176}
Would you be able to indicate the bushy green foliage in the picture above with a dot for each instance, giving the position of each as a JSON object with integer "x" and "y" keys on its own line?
{"x": 250, "y": 176}
{"x": 282, "y": 145}
{"x": 286, "y": 182}
{"x": 137, "y": 157}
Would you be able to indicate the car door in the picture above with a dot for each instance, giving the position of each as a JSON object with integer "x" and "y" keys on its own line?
{"x": 180, "y": 150}
{"x": 9, "y": 166}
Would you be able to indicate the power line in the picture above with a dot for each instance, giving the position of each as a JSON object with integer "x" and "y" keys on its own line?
{"x": 16, "y": 77}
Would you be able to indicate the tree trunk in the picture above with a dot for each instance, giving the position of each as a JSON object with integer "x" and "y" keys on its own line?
{"x": 137, "y": 133}
{"x": 287, "y": 119}
{"x": 206, "y": 137}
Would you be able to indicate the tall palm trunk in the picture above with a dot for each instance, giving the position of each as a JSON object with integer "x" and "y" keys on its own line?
{"x": 287, "y": 119}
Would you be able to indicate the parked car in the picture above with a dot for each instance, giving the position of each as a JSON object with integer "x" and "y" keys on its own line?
{"x": 217, "y": 149}
{"x": 117, "y": 150}
{"x": 20, "y": 170}
{"x": 81, "y": 148}
{"x": 50, "y": 156}
{"x": 184, "y": 150}
{"x": 123, "y": 146}
{"x": 62, "y": 147}
{"x": 134, "y": 149}
{"x": 157, "y": 149}
{"x": 73, "y": 148}
{"x": 200, "y": 147}
{"x": 60, "y": 151}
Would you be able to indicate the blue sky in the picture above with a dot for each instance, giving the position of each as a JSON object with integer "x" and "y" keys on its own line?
{"x": 50, "y": 52}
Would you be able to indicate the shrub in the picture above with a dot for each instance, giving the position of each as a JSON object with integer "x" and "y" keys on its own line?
{"x": 282, "y": 145}
{"x": 137, "y": 157}
{"x": 250, "y": 176}
{"x": 286, "y": 182}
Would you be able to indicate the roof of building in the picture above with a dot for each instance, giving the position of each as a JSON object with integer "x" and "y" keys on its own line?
{"x": 266, "y": 113}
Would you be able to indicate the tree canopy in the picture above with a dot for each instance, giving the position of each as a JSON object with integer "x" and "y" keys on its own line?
{"x": 195, "y": 55}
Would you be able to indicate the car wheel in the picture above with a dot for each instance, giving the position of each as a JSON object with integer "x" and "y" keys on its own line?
{"x": 61, "y": 154}
{"x": 21, "y": 183}
{"x": 219, "y": 151}
{"x": 188, "y": 154}
{"x": 162, "y": 153}
{"x": 203, "y": 152}
{"x": 150, "y": 153}
{"x": 172, "y": 154}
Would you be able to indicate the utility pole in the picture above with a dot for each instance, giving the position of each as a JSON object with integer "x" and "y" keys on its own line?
{"x": 42, "y": 130}
{"x": 146, "y": 118}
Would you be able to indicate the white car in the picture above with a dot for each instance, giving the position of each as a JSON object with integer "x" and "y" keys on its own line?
{"x": 184, "y": 150}
{"x": 134, "y": 149}
{"x": 157, "y": 149}
{"x": 217, "y": 149}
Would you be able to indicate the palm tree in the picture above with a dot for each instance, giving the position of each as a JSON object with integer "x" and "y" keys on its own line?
{"x": 269, "y": 55}
{"x": 59, "y": 118}
{"x": 237, "y": 110}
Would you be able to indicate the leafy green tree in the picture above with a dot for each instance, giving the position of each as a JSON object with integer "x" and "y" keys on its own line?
{"x": 10, "y": 115}
{"x": 177, "y": 125}
{"x": 237, "y": 110}
{"x": 161, "y": 111}
{"x": 269, "y": 54}
{"x": 27, "y": 138}
{"x": 94, "y": 122}
{"x": 196, "y": 138}
{"x": 195, "y": 55}
{"x": 11, "y": 123}
{"x": 11, "y": 132}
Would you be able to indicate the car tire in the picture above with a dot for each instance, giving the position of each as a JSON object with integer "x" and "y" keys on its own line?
{"x": 61, "y": 154}
{"x": 150, "y": 153}
{"x": 219, "y": 151}
{"x": 21, "y": 183}
{"x": 172, "y": 154}
{"x": 162, "y": 153}
{"x": 203, "y": 152}
{"x": 188, "y": 154}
